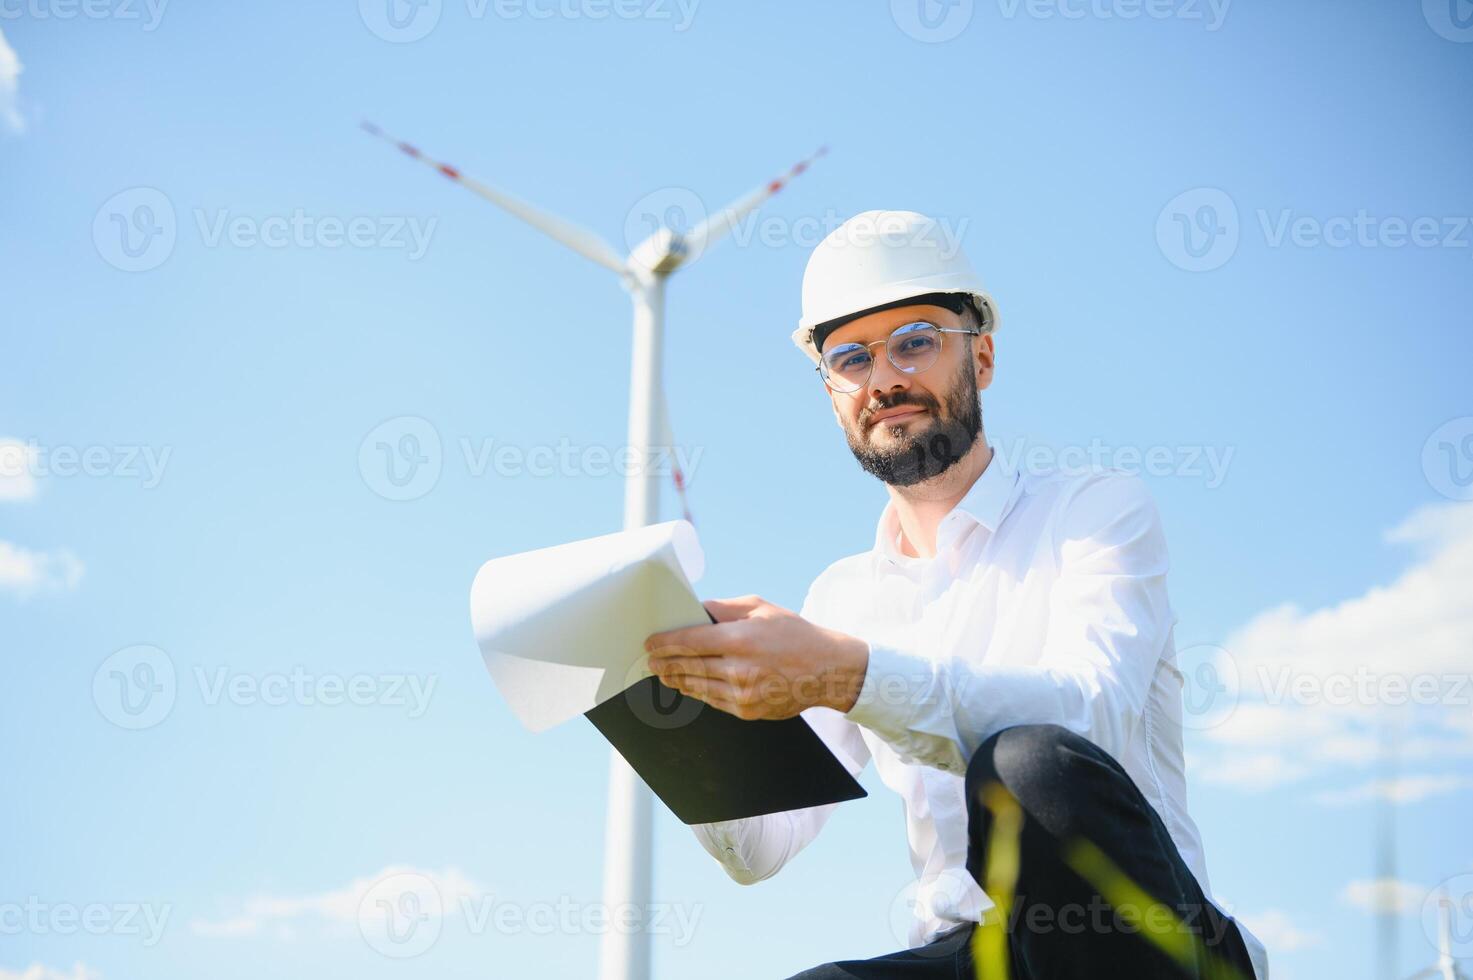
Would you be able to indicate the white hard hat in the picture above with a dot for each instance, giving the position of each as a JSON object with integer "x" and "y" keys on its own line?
{"x": 878, "y": 259}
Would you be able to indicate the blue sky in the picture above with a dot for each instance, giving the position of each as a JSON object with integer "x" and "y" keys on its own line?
{"x": 1235, "y": 235}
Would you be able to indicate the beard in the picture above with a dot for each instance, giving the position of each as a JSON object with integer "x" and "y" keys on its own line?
{"x": 926, "y": 448}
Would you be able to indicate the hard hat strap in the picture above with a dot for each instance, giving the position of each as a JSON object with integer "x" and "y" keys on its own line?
{"x": 957, "y": 303}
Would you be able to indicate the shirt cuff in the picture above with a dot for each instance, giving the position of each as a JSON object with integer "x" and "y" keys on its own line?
{"x": 896, "y": 685}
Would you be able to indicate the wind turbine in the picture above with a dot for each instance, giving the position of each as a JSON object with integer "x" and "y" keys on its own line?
{"x": 1446, "y": 967}
{"x": 643, "y": 273}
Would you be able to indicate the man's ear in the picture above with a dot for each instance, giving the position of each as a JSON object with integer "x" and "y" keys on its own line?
{"x": 984, "y": 353}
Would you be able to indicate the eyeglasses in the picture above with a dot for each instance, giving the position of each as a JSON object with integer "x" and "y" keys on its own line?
{"x": 911, "y": 348}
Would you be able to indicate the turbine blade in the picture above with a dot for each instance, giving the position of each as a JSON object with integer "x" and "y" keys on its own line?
{"x": 709, "y": 231}
{"x": 580, "y": 240}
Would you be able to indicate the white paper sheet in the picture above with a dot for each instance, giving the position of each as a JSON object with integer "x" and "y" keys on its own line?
{"x": 562, "y": 629}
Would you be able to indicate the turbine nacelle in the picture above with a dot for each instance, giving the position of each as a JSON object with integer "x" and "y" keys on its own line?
{"x": 660, "y": 254}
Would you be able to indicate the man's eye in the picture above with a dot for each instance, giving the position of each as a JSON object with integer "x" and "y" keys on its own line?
{"x": 854, "y": 361}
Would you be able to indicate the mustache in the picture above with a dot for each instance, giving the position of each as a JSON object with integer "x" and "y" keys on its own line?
{"x": 896, "y": 402}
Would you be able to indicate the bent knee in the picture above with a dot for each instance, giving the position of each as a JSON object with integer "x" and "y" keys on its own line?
{"x": 1029, "y": 759}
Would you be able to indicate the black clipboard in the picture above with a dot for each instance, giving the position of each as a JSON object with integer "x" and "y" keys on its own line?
{"x": 707, "y": 765}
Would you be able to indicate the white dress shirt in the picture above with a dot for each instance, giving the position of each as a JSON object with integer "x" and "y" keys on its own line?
{"x": 1045, "y": 603}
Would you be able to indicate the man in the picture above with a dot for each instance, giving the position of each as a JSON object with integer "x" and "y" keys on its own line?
{"x": 1004, "y": 653}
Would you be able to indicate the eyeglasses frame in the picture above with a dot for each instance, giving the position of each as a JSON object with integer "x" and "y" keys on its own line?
{"x": 941, "y": 345}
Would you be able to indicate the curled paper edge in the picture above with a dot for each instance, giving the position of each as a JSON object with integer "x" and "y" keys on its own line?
{"x": 561, "y": 629}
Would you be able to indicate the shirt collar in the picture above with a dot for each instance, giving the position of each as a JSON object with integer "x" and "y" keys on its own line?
{"x": 987, "y": 503}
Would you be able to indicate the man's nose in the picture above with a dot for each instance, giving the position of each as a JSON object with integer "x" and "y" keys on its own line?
{"x": 886, "y": 377}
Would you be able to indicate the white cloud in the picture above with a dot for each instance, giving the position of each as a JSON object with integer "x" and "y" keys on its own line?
{"x": 343, "y": 906}
{"x": 1278, "y": 932}
{"x": 10, "y": 69}
{"x": 1406, "y": 789}
{"x": 1251, "y": 771}
{"x": 38, "y": 972}
{"x": 1383, "y": 896}
{"x": 1319, "y": 686}
{"x": 17, "y": 468}
{"x": 1421, "y": 622}
{"x": 24, "y": 572}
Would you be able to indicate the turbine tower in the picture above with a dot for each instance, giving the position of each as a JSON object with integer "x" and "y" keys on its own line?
{"x": 1446, "y": 967}
{"x": 643, "y": 273}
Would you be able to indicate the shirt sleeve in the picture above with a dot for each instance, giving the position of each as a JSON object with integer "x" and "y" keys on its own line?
{"x": 1109, "y": 620}
{"x": 755, "y": 848}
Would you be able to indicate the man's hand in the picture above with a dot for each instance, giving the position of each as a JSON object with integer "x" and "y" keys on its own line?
{"x": 760, "y": 661}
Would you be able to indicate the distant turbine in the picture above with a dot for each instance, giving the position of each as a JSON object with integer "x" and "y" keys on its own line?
{"x": 626, "y": 955}
{"x": 1446, "y": 967}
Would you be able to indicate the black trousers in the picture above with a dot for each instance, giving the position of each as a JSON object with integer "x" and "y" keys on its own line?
{"x": 1099, "y": 890}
